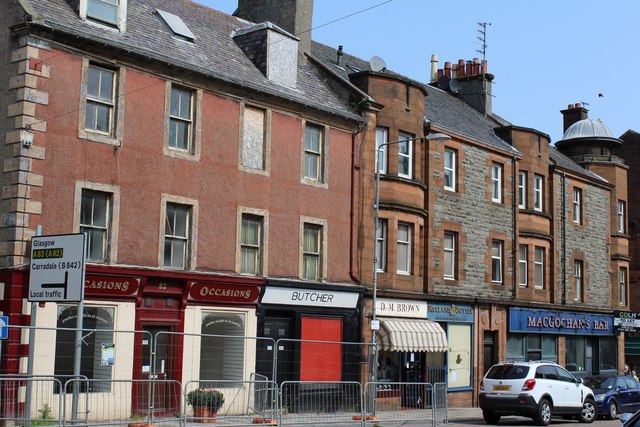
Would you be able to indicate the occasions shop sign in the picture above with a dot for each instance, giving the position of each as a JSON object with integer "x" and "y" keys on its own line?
{"x": 555, "y": 322}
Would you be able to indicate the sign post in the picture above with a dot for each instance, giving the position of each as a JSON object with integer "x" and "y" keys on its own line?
{"x": 57, "y": 268}
{"x": 57, "y": 275}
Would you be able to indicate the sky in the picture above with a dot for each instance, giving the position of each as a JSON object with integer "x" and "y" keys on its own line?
{"x": 544, "y": 54}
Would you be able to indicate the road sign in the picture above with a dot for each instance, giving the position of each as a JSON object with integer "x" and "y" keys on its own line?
{"x": 4, "y": 331}
{"x": 57, "y": 268}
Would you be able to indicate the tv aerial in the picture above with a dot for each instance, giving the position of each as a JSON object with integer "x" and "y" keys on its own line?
{"x": 377, "y": 64}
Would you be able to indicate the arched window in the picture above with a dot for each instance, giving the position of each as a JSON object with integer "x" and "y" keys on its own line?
{"x": 97, "y": 336}
{"x": 222, "y": 346}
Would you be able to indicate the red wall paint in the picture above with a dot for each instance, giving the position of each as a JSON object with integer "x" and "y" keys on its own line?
{"x": 143, "y": 173}
{"x": 320, "y": 361}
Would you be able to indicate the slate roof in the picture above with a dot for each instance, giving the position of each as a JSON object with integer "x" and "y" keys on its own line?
{"x": 442, "y": 109}
{"x": 213, "y": 53}
{"x": 448, "y": 112}
{"x": 564, "y": 162}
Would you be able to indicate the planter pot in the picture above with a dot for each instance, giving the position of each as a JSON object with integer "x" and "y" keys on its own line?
{"x": 203, "y": 414}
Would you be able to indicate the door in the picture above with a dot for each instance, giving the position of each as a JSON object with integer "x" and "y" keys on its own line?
{"x": 275, "y": 328}
{"x": 158, "y": 369}
{"x": 411, "y": 372}
{"x": 489, "y": 353}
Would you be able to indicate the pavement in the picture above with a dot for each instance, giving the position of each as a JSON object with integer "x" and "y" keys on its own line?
{"x": 464, "y": 415}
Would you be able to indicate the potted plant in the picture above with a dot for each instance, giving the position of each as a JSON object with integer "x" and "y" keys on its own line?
{"x": 206, "y": 402}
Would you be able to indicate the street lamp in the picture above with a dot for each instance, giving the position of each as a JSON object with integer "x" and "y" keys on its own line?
{"x": 375, "y": 324}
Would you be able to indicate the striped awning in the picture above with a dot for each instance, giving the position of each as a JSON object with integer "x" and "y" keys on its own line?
{"x": 411, "y": 335}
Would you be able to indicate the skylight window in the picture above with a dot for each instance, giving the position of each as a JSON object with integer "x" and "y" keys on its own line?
{"x": 176, "y": 25}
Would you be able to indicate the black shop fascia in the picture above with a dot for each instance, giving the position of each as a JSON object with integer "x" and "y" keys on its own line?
{"x": 294, "y": 311}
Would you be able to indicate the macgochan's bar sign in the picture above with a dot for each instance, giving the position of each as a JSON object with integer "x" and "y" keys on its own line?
{"x": 98, "y": 284}
{"x": 555, "y": 322}
{"x": 219, "y": 292}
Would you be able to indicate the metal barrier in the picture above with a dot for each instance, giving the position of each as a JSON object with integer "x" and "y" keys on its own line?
{"x": 46, "y": 409}
{"x": 239, "y": 402}
{"x": 322, "y": 402}
{"x": 130, "y": 380}
{"x": 402, "y": 402}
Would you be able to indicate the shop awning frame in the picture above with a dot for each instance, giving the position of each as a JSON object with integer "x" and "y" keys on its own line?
{"x": 406, "y": 335}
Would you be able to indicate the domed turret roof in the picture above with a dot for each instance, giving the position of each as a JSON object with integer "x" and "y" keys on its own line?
{"x": 588, "y": 128}
{"x": 590, "y": 131}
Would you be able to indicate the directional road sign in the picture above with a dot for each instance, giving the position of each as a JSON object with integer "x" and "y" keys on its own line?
{"x": 57, "y": 268}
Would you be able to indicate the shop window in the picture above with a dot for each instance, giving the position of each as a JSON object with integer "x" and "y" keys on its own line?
{"x": 389, "y": 364}
{"x": 459, "y": 354}
{"x": 532, "y": 347}
{"x": 320, "y": 361}
{"x": 579, "y": 354}
{"x": 608, "y": 354}
{"x": 222, "y": 346}
{"x": 94, "y": 365}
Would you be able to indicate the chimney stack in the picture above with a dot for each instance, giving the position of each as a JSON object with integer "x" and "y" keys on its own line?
{"x": 293, "y": 16}
{"x": 472, "y": 82}
{"x": 573, "y": 114}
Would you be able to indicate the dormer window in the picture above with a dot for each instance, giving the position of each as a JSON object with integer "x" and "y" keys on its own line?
{"x": 107, "y": 12}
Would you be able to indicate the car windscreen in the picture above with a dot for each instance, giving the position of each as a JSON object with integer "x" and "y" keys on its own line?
{"x": 507, "y": 372}
{"x": 600, "y": 382}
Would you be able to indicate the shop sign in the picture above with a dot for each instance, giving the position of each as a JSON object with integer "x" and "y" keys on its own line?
{"x": 401, "y": 308}
{"x": 97, "y": 284}
{"x": 445, "y": 312}
{"x": 626, "y": 321}
{"x": 219, "y": 292}
{"x": 310, "y": 297}
{"x": 542, "y": 321}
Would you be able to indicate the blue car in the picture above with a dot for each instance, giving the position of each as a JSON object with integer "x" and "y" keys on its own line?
{"x": 615, "y": 394}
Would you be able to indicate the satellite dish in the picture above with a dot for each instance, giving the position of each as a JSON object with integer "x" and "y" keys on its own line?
{"x": 454, "y": 86}
{"x": 377, "y": 64}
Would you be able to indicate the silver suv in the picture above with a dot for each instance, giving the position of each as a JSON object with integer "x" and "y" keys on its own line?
{"x": 534, "y": 389}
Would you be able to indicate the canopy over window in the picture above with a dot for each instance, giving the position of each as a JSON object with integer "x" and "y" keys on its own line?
{"x": 411, "y": 335}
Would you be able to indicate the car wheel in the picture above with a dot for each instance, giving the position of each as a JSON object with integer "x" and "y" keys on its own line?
{"x": 543, "y": 416}
{"x": 491, "y": 417}
{"x": 612, "y": 413}
{"x": 588, "y": 412}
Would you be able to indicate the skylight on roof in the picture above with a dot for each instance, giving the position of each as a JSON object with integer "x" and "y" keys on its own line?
{"x": 176, "y": 24}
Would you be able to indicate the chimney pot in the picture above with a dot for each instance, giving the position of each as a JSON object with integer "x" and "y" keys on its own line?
{"x": 447, "y": 69}
{"x": 469, "y": 68}
{"x": 434, "y": 67}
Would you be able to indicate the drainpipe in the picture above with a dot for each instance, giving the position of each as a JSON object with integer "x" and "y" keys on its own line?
{"x": 564, "y": 240}
{"x": 514, "y": 210}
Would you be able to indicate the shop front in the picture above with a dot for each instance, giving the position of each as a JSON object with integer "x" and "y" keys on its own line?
{"x": 457, "y": 322}
{"x": 411, "y": 349}
{"x": 584, "y": 343}
{"x": 627, "y": 324}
